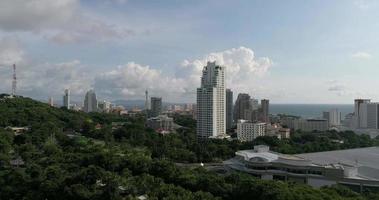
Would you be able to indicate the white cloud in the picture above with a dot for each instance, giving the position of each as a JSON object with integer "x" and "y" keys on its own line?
{"x": 60, "y": 21}
{"x": 242, "y": 67}
{"x": 132, "y": 79}
{"x": 361, "y": 55}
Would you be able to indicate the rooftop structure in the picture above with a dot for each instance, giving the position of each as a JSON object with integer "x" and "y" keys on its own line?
{"x": 354, "y": 168}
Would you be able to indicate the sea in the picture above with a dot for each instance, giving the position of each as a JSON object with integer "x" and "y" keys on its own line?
{"x": 309, "y": 110}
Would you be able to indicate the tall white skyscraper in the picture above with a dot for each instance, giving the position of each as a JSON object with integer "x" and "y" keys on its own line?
{"x": 66, "y": 99}
{"x": 90, "y": 102}
{"x": 211, "y": 105}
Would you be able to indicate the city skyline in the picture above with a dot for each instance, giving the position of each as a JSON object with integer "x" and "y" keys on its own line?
{"x": 267, "y": 49}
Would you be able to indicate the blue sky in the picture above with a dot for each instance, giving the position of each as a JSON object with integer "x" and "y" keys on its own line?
{"x": 287, "y": 51}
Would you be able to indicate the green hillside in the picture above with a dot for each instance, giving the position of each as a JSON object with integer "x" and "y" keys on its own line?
{"x": 64, "y": 157}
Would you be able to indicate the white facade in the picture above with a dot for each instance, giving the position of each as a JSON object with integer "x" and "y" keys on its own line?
{"x": 90, "y": 102}
{"x": 248, "y": 131}
{"x": 211, "y": 105}
{"x": 333, "y": 117}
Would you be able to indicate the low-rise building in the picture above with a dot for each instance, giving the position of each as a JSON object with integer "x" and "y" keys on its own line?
{"x": 161, "y": 123}
{"x": 357, "y": 169}
{"x": 248, "y": 131}
{"x": 309, "y": 125}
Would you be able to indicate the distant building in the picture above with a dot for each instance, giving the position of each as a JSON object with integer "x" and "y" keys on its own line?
{"x": 309, "y": 125}
{"x": 373, "y": 115}
{"x": 211, "y": 105}
{"x": 360, "y": 113}
{"x": 104, "y": 106}
{"x": 242, "y": 106}
{"x": 161, "y": 123}
{"x": 156, "y": 106}
{"x": 51, "y": 101}
{"x": 277, "y": 131}
{"x": 265, "y": 111}
{"x": 248, "y": 131}
{"x": 333, "y": 117}
{"x": 229, "y": 109}
{"x": 90, "y": 102}
{"x": 66, "y": 99}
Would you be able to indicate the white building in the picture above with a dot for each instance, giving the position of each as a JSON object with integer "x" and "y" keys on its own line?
{"x": 66, "y": 99}
{"x": 356, "y": 168}
{"x": 333, "y": 117}
{"x": 211, "y": 105}
{"x": 90, "y": 102}
{"x": 104, "y": 106}
{"x": 248, "y": 131}
{"x": 161, "y": 123}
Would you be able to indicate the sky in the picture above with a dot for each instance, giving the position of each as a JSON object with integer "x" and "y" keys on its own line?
{"x": 287, "y": 51}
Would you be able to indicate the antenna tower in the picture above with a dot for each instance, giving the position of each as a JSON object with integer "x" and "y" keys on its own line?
{"x": 14, "y": 82}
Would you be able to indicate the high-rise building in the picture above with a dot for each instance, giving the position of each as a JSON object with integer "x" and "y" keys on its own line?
{"x": 242, "y": 106}
{"x": 229, "y": 109}
{"x": 66, "y": 99}
{"x": 333, "y": 117}
{"x": 90, "y": 102}
{"x": 156, "y": 106}
{"x": 265, "y": 111}
{"x": 373, "y": 115}
{"x": 51, "y": 101}
{"x": 359, "y": 119}
{"x": 146, "y": 100}
{"x": 211, "y": 104}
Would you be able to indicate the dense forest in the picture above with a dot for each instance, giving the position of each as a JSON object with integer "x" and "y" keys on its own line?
{"x": 73, "y": 155}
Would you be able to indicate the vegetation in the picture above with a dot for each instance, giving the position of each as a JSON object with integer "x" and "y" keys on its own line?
{"x": 66, "y": 156}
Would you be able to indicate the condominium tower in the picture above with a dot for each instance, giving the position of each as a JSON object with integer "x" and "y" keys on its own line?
{"x": 90, "y": 102}
{"x": 211, "y": 105}
{"x": 156, "y": 106}
{"x": 66, "y": 99}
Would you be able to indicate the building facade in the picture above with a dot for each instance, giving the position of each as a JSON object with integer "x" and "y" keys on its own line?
{"x": 161, "y": 123}
{"x": 156, "y": 106}
{"x": 66, "y": 99}
{"x": 315, "y": 169}
{"x": 265, "y": 103}
{"x": 247, "y": 131}
{"x": 229, "y": 109}
{"x": 333, "y": 117}
{"x": 210, "y": 102}
{"x": 309, "y": 125}
{"x": 242, "y": 106}
{"x": 90, "y": 102}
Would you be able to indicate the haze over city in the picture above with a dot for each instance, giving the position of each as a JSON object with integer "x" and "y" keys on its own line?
{"x": 286, "y": 51}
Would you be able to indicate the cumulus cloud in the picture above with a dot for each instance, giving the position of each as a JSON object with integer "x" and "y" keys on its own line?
{"x": 242, "y": 67}
{"x": 361, "y": 55}
{"x": 10, "y": 51}
{"x": 60, "y": 21}
{"x": 132, "y": 79}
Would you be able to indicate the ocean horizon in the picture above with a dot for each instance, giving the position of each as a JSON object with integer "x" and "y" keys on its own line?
{"x": 310, "y": 110}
